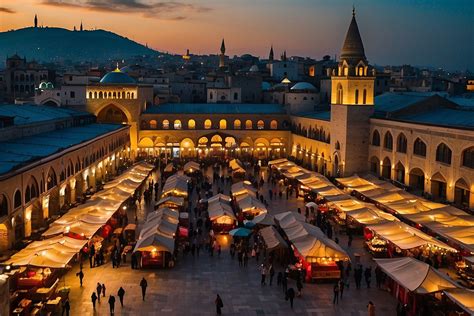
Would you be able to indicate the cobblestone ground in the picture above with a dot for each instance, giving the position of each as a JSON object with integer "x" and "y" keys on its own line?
{"x": 190, "y": 288}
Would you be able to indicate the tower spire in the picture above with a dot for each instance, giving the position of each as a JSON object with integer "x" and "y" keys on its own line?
{"x": 81, "y": 26}
{"x": 353, "y": 10}
{"x": 270, "y": 56}
{"x": 36, "y": 21}
{"x": 223, "y": 47}
{"x": 222, "y": 55}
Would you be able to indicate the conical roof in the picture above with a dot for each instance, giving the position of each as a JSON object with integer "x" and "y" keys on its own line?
{"x": 353, "y": 48}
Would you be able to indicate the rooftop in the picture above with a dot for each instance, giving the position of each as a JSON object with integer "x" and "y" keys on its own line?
{"x": 215, "y": 108}
{"x": 456, "y": 118}
{"x": 394, "y": 101}
{"x": 318, "y": 115}
{"x": 21, "y": 151}
{"x": 27, "y": 114}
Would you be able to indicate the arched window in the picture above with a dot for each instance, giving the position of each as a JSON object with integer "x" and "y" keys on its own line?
{"x": 95, "y": 95}
{"x": 207, "y": 124}
{"x": 236, "y": 96}
{"x": 402, "y": 143}
{"x": 443, "y": 154}
{"x": 248, "y": 124}
{"x": 101, "y": 95}
{"x": 364, "y": 96}
{"x": 222, "y": 124}
{"x": 153, "y": 124}
{"x": 260, "y": 124}
{"x": 17, "y": 199}
{"x": 340, "y": 94}
{"x": 273, "y": 124}
{"x": 419, "y": 148}
{"x": 177, "y": 124}
{"x": 356, "y": 98}
{"x": 211, "y": 95}
{"x": 338, "y": 146}
{"x": 237, "y": 124}
{"x": 3, "y": 205}
{"x": 361, "y": 71}
{"x": 376, "y": 138}
{"x": 90, "y": 94}
{"x": 468, "y": 158}
{"x": 191, "y": 124}
{"x": 388, "y": 141}
{"x": 166, "y": 124}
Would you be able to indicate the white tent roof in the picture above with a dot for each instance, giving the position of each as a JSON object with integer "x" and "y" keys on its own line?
{"x": 236, "y": 165}
{"x": 171, "y": 199}
{"x": 464, "y": 298}
{"x": 264, "y": 218}
{"x": 53, "y": 253}
{"x": 406, "y": 237}
{"x": 191, "y": 166}
{"x": 249, "y": 203}
{"x": 242, "y": 187}
{"x": 415, "y": 275}
{"x": 176, "y": 183}
{"x": 272, "y": 238}
{"x": 219, "y": 197}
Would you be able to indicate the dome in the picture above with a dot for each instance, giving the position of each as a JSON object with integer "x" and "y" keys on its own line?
{"x": 266, "y": 86}
{"x": 43, "y": 85}
{"x": 50, "y": 85}
{"x": 254, "y": 68}
{"x": 303, "y": 86}
{"x": 126, "y": 69}
{"x": 117, "y": 77}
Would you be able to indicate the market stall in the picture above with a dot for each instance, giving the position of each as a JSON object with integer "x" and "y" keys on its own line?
{"x": 176, "y": 185}
{"x": 250, "y": 206}
{"x": 243, "y": 187}
{"x": 191, "y": 167}
{"x": 264, "y": 219}
{"x": 173, "y": 202}
{"x": 221, "y": 215}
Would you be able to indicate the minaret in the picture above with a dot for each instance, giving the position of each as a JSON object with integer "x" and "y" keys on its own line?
{"x": 222, "y": 55}
{"x": 36, "y": 21}
{"x": 270, "y": 56}
{"x": 352, "y": 100}
{"x": 81, "y": 27}
{"x": 283, "y": 57}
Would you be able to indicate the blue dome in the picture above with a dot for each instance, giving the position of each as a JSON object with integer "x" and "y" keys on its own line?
{"x": 117, "y": 77}
{"x": 300, "y": 86}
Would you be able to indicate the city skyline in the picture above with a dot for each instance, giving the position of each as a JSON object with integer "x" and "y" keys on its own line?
{"x": 302, "y": 28}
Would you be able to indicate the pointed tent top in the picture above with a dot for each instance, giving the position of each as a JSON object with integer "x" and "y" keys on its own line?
{"x": 353, "y": 48}
{"x": 222, "y": 47}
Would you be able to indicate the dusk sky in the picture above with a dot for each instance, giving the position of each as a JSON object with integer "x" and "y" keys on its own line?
{"x": 437, "y": 33}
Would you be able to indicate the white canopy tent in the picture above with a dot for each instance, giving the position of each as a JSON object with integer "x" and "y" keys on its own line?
{"x": 272, "y": 238}
{"x": 191, "y": 166}
{"x": 414, "y": 275}
{"x": 243, "y": 187}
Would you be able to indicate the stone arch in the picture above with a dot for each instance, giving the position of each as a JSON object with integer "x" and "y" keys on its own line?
{"x": 388, "y": 141}
{"x": 340, "y": 94}
{"x": 444, "y": 153}
{"x": 337, "y": 166}
{"x": 237, "y": 124}
{"x": 230, "y": 141}
{"x": 274, "y": 124}
{"x": 375, "y": 165}
{"x": 438, "y": 187}
{"x": 260, "y": 124}
{"x": 467, "y": 157}
{"x": 386, "y": 168}
{"x": 400, "y": 172}
{"x": 145, "y": 142}
{"x": 51, "y": 179}
{"x": 4, "y": 205}
{"x": 376, "y": 138}
{"x": 191, "y": 124}
{"x": 113, "y": 113}
{"x": 223, "y": 124}
{"x": 50, "y": 102}
{"x": 462, "y": 193}
{"x": 31, "y": 190}
{"x": 153, "y": 124}
{"x": 417, "y": 179}
{"x": 248, "y": 124}
{"x": 207, "y": 124}
{"x": 419, "y": 147}
{"x": 17, "y": 201}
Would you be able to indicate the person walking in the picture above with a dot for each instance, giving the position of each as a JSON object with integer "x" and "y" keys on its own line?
{"x": 279, "y": 278}
{"x": 99, "y": 290}
{"x": 284, "y": 283}
{"x": 121, "y": 294}
{"x": 66, "y": 307}
{"x": 112, "y": 304}
{"x": 103, "y": 290}
{"x": 368, "y": 276}
{"x": 378, "y": 276}
{"x": 272, "y": 273}
{"x": 371, "y": 309}
{"x": 143, "y": 285}
{"x": 335, "y": 299}
{"x": 290, "y": 295}
{"x": 93, "y": 299}
{"x": 341, "y": 287}
{"x": 263, "y": 271}
{"x": 299, "y": 285}
{"x": 80, "y": 274}
{"x": 219, "y": 305}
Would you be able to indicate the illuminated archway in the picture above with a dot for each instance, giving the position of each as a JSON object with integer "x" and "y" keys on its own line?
{"x": 222, "y": 124}
{"x": 112, "y": 114}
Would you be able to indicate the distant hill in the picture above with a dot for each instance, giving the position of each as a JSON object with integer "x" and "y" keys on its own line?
{"x": 50, "y": 44}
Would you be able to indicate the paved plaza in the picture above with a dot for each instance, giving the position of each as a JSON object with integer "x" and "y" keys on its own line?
{"x": 191, "y": 286}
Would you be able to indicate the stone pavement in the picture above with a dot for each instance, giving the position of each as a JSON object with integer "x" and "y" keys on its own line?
{"x": 191, "y": 287}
